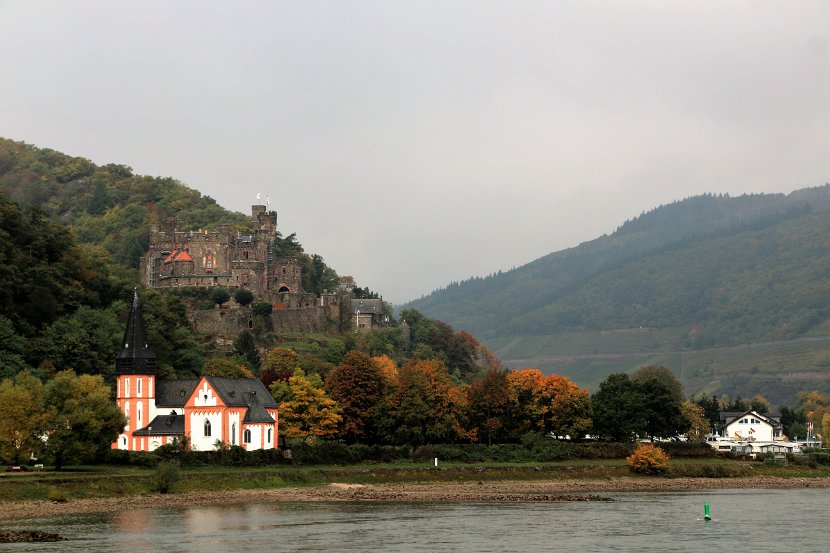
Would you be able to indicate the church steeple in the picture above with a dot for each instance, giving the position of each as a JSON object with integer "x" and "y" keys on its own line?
{"x": 136, "y": 357}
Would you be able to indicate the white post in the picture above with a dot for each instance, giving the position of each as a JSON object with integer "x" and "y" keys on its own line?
{"x": 436, "y": 461}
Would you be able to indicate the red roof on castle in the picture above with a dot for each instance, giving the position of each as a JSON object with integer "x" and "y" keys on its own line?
{"x": 184, "y": 256}
{"x": 169, "y": 258}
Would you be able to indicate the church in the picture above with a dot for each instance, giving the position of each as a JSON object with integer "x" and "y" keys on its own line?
{"x": 207, "y": 410}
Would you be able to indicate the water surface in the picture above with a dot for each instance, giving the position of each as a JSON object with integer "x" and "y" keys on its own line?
{"x": 756, "y": 520}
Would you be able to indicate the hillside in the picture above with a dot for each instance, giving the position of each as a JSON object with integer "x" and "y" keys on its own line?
{"x": 708, "y": 274}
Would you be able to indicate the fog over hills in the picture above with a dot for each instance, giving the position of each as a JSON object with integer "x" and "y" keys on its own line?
{"x": 710, "y": 273}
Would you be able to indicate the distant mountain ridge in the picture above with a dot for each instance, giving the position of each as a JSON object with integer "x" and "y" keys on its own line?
{"x": 719, "y": 271}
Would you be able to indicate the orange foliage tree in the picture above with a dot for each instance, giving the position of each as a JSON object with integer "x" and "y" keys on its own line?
{"x": 548, "y": 403}
{"x": 423, "y": 406}
{"x": 357, "y": 385}
{"x": 307, "y": 411}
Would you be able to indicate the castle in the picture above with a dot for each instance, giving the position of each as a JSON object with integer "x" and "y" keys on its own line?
{"x": 233, "y": 411}
{"x": 238, "y": 259}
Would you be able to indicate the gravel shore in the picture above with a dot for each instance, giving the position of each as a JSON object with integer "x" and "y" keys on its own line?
{"x": 487, "y": 491}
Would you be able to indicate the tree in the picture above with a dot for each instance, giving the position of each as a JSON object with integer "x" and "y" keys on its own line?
{"x": 698, "y": 423}
{"x": 548, "y": 404}
{"x": 617, "y": 405}
{"x": 243, "y": 297}
{"x": 661, "y": 410}
{"x": 245, "y": 346}
{"x": 357, "y": 385}
{"x": 279, "y": 364}
{"x": 226, "y": 368}
{"x": 488, "y": 398}
{"x": 760, "y": 404}
{"x": 21, "y": 417}
{"x": 82, "y": 419}
{"x": 262, "y": 309}
{"x": 423, "y": 407}
{"x": 308, "y": 412}
{"x": 220, "y": 296}
{"x": 663, "y": 375}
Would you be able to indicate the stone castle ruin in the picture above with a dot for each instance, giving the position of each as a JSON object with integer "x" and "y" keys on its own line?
{"x": 235, "y": 259}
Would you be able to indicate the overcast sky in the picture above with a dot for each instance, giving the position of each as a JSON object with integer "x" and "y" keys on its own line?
{"x": 413, "y": 144}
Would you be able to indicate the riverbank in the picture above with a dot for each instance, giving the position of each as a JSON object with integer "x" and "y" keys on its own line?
{"x": 449, "y": 492}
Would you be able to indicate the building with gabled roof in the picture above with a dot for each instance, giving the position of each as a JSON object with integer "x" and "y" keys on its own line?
{"x": 211, "y": 409}
{"x": 750, "y": 426}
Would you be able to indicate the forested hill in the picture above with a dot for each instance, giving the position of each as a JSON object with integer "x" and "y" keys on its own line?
{"x": 108, "y": 206}
{"x": 730, "y": 270}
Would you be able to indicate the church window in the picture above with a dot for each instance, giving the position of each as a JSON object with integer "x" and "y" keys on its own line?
{"x": 269, "y": 435}
{"x": 246, "y": 436}
{"x": 138, "y": 413}
{"x": 233, "y": 434}
{"x": 207, "y": 428}
{"x": 126, "y": 387}
{"x": 127, "y": 412}
{"x": 124, "y": 441}
{"x": 138, "y": 386}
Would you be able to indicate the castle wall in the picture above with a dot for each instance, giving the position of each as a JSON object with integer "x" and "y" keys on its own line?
{"x": 228, "y": 323}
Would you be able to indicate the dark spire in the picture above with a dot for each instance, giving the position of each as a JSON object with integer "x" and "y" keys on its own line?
{"x": 136, "y": 357}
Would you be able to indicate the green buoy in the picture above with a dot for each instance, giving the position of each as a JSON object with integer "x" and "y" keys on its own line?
{"x": 706, "y": 515}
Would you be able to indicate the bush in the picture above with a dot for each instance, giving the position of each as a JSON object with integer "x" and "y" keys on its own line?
{"x": 166, "y": 476}
{"x": 648, "y": 459}
{"x": 262, "y": 309}
{"x": 220, "y": 296}
{"x": 57, "y": 495}
{"x": 243, "y": 297}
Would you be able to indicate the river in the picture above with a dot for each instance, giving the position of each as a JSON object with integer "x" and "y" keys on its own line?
{"x": 748, "y": 520}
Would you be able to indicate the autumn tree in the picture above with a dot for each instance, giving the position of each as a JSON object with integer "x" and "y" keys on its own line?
{"x": 548, "y": 403}
{"x": 357, "y": 385}
{"x": 82, "y": 419}
{"x": 307, "y": 411}
{"x": 388, "y": 369}
{"x": 698, "y": 423}
{"x": 422, "y": 407}
{"x": 279, "y": 364}
{"x": 226, "y": 368}
{"x": 488, "y": 398}
{"x": 22, "y": 420}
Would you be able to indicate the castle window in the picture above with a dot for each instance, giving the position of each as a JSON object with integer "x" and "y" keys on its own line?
{"x": 207, "y": 428}
{"x": 246, "y": 436}
{"x": 250, "y": 323}
{"x": 245, "y": 254}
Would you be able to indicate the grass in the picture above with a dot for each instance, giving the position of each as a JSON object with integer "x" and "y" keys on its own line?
{"x": 106, "y": 481}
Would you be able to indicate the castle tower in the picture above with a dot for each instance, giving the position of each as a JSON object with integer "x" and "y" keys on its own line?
{"x": 135, "y": 370}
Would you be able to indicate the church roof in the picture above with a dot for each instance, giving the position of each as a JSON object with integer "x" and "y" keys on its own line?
{"x": 240, "y": 392}
{"x": 174, "y": 393}
{"x": 163, "y": 425}
{"x": 136, "y": 357}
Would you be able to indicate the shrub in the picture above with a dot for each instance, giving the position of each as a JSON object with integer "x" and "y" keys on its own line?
{"x": 220, "y": 296}
{"x": 648, "y": 459}
{"x": 166, "y": 476}
{"x": 57, "y": 495}
{"x": 243, "y": 297}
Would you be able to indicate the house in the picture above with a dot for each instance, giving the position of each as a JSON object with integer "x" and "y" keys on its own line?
{"x": 750, "y": 426}
{"x": 369, "y": 314}
{"x": 207, "y": 410}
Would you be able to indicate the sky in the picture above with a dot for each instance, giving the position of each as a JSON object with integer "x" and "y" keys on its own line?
{"x": 417, "y": 143}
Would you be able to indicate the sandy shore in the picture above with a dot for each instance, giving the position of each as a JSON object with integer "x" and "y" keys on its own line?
{"x": 496, "y": 491}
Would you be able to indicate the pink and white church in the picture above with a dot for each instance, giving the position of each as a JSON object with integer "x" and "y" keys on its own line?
{"x": 235, "y": 411}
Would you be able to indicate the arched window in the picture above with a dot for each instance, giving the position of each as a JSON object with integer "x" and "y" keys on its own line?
{"x": 138, "y": 386}
{"x": 269, "y": 436}
{"x": 124, "y": 441}
{"x": 138, "y": 413}
{"x": 207, "y": 428}
{"x": 233, "y": 434}
{"x": 126, "y": 387}
{"x": 246, "y": 436}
